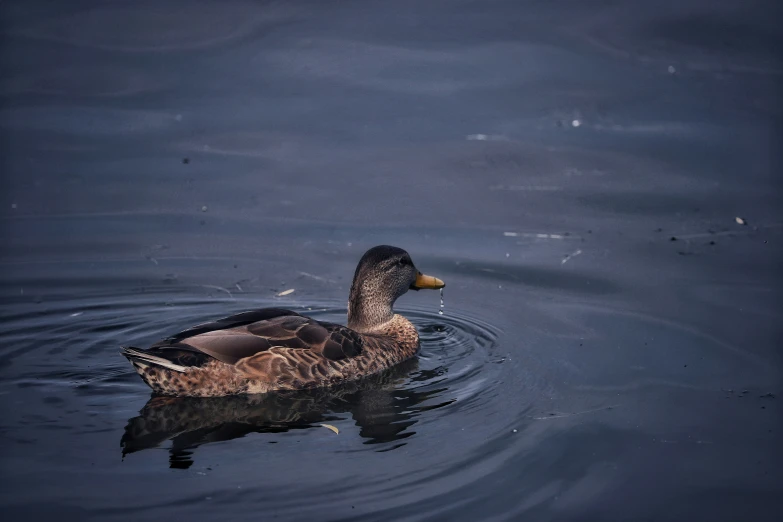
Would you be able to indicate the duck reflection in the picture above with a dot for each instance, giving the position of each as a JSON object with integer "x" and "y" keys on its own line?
{"x": 380, "y": 406}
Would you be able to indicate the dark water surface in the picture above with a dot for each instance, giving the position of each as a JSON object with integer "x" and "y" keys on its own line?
{"x": 611, "y": 347}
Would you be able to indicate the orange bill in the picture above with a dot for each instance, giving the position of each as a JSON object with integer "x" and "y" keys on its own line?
{"x": 425, "y": 281}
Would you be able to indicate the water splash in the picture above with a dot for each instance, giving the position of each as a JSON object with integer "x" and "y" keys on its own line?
{"x": 440, "y": 312}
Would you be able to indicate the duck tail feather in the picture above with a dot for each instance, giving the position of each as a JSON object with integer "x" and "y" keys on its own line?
{"x": 137, "y": 356}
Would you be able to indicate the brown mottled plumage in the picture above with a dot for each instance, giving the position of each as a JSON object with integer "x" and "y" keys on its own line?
{"x": 275, "y": 349}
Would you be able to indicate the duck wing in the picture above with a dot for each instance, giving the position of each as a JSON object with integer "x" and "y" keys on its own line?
{"x": 243, "y": 335}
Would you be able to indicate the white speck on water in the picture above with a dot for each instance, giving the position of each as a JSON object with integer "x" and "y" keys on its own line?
{"x": 350, "y": 244}
{"x": 440, "y": 312}
{"x": 13, "y": 205}
{"x": 486, "y": 137}
{"x": 500, "y": 287}
{"x": 513, "y": 431}
{"x": 76, "y": 314}
{"x": 178, "y": 117}
{"x": 671, "y": 69}
{"x": 21, "y": 291}
{"x": 740, "y": 221}
{"x": 204, "y": 208}
{"x": 508, "y": 255}
{"x": 576, "y": 123}
{"x": 286, "y": 292}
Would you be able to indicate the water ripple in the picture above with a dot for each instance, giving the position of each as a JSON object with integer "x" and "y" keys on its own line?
{"x": 157, "y": 27}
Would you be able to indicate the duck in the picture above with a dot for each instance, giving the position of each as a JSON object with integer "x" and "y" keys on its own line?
{"x": 274, "y": 349}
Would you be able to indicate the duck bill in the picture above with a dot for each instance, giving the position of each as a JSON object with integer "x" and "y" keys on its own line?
{"x": 427, "y": 282}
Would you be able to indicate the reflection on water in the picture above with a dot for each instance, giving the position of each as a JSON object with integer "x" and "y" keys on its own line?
{"x": 383, "y": 411}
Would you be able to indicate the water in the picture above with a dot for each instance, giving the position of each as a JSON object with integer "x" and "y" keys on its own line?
{"x": 611, "y": 350}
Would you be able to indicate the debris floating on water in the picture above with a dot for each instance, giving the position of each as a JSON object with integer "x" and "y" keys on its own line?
{"x": 318, "y": 278}
{"x": 740, "y": 221}
{"x": 518, "y": 188}
{"x": 220, "y": 288}
{"x": 330, "y": 427}
{"x": 569, "y": 256}
{"x": 204, "y": 208}
{"x": 538, "y": 236}
{"x": 559, "y": 415}
{"x": 576, "y": 123}
{"x": 486, "y": 137}
{"x": 286, "y": 292}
